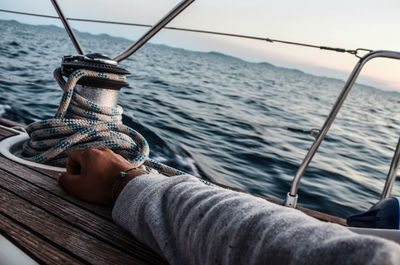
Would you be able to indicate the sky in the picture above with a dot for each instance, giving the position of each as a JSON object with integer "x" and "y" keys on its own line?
{"x": 346, "y": 24}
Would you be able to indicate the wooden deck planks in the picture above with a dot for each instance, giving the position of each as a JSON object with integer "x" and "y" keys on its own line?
{"x": 102, "y": 229}
{"x": 9, "y": 123}
{"x": 37, "y": 248}
{"x": 56, "y": 228}
{"x": 49, "y": 183}
{"x": 4, "y": 133}
{"x": 65, "y": 236}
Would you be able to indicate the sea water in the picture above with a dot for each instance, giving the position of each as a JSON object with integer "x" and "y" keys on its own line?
{"x": 222, "y": 118}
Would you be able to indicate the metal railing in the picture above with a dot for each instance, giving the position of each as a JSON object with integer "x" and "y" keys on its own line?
{"x": 68, "y": 28}
{"x": 292, "y": 196}
{"x": 391, "y": 177}
{"x": 154, "y": 30}
{"x": 140, "y": 42}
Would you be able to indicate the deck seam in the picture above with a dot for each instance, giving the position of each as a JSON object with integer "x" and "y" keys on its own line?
{"x": 18, "y": 245}
{"x": 101, "y": 239}
{"x": 55, "y": 194}
{"x": 24, "y": 226}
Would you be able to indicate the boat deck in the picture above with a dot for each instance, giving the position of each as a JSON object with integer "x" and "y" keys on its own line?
{"x": 54, "y": 228}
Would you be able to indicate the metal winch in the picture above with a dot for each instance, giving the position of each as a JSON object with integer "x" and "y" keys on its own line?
{"x": 101, "y": 91}
{"x": 88, "y": 115}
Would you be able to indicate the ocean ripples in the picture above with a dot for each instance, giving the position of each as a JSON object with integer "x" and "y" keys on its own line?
{"x": 219, "y": 117}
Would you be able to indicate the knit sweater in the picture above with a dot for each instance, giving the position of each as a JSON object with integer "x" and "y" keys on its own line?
{"x": 189, "y": 222}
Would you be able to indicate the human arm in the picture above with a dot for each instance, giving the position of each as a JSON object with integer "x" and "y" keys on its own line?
{"x": 189, "y": 222}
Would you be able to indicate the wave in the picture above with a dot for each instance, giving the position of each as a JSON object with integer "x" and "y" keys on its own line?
{"x": 3, "y": 109}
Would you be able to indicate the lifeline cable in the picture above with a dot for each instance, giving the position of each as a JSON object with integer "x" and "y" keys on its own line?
{"x": 81, "y": 123}
{"x": 271, "y": 40}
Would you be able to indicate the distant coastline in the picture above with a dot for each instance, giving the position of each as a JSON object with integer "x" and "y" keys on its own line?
{"x": 102, "y": 35}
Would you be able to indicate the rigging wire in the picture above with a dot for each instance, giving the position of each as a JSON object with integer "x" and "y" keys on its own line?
{"x": 311, "y": 132}
{"x": 270, "y": 40}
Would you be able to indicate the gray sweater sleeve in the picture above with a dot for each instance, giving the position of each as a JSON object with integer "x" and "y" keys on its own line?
{"x": 189, "y": 222}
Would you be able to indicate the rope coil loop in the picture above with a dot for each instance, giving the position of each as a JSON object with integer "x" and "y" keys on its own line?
{"x": 81, "y": 123}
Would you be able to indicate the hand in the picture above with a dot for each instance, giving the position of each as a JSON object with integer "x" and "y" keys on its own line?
{"x": 91, "y": 174}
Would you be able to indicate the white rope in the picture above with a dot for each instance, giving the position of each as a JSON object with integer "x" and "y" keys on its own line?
{"x": 81, "y": 123}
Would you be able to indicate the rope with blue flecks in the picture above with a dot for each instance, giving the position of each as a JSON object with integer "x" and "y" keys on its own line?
{"x": 81, "y": 123}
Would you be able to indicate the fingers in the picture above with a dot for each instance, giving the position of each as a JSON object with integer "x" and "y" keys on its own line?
{"x": 71, "y": 183}
{"x": 77, "y": 186}
{"x": 75, "y": 160}
{"x": 91, "y": 173}
{"x": 73, "y": 166}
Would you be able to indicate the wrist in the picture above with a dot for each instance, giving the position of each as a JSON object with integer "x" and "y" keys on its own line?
{"x": 123, "y": 179}
{"x": 121, "y": 185}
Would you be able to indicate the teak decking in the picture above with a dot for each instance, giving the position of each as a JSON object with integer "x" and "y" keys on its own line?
{"x": 54, "y": 228}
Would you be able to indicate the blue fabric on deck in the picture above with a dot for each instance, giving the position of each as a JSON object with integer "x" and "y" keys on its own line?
{"x": 384, "y": 214}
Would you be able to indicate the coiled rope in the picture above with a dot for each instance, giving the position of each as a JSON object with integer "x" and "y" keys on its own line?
{"x": 81, "y": 123}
